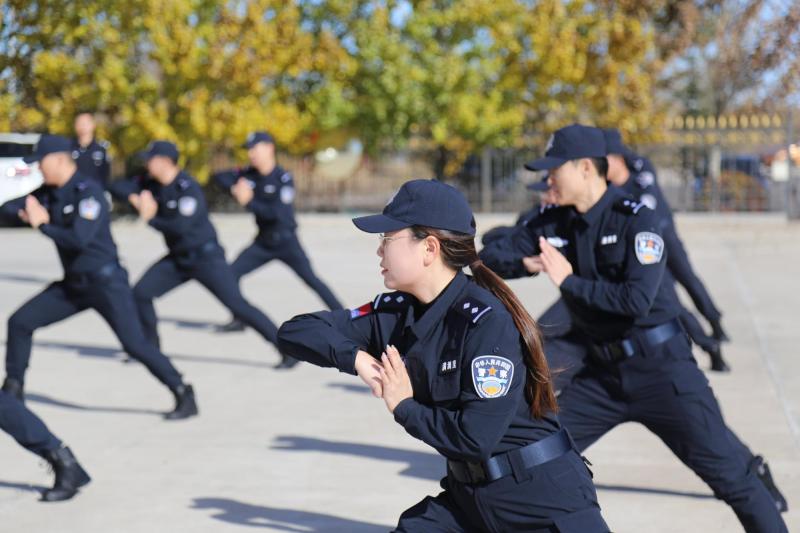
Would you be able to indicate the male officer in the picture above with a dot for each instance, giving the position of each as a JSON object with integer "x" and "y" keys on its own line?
{"x": 609, "y": 269}
{"x": 267, "y": 190}
{"x": 173, "y": 203}
{"x": 71, "y": 211}
{"x": 90, "y": 155}
{"x": 30, "y": 432}
{"x": 637, "y": 176}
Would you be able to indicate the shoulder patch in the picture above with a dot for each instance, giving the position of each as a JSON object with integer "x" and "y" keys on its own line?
{"x": 473, "y": 309}
{"x": 286, "y": 177}
{"x": 287, "y": 194}
{"x": 187, "y": 205}
{"x": 183, "y": 183}
{"x": 89, "y": 208}
{"x": 649, "y": 247}
{"x": 492, "y": 375}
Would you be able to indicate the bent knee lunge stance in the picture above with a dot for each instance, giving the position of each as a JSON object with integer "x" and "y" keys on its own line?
{"x": 172, "y": 202}
{"x": 267, "y": 190}
{"x": 73, "y": 212}
{"x": 458, "y": 362}
{"x": 608, "y": 262}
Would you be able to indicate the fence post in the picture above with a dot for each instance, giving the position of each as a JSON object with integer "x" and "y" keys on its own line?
{"x": 714, "y": 171}
{"x": 792, "y": 185}
{"x": 486, "y": 180}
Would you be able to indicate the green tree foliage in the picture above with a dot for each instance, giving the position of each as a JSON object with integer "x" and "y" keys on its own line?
{"x": 450, "y": 76}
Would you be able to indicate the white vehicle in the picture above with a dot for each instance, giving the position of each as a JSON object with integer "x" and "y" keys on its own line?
{"x": 17, "y": 178}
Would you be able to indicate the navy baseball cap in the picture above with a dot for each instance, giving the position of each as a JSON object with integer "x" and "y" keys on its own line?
{"x": 48, "y": 144}
{"x": 538, "y": 186}
{"x": 258, "y": 137}
{"x": 570, "y": 143}
{"x": 430, "y": 203}
{"x": 163, "y": 148}
{"x": 614, "y": 144}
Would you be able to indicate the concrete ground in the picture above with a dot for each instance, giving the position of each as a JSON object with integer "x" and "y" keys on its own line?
{"x": 310, "y": 450}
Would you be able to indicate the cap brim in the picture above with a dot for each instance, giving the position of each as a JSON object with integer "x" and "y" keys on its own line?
{"x": 379, "y": 224}
{"x": 33, "y": 158}
{"x": 539, "y": 186}
{"x": 545, "y": 163}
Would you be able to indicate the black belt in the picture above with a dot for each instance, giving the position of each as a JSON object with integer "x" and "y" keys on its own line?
{"x": 84, "y": 278}
{"x": 505, "y": 464}
{"x": 198, "y": 251}
{"x": 614, "y": 352}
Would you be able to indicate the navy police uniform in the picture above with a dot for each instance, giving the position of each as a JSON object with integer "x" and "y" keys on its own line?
{"x": 273, "y": 208}
{"x": 194, "y": 251}
{"x": 507, "y": 471}
{"x": 643, "y": 185}
{"x": 640, "y": 366}
{"x": 93, "y": 160}
{"x": 93, "y": 277}
{"x": 25, "y": 427}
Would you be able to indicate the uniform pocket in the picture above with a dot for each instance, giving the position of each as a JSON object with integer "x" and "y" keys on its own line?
{"x": 446, "y": 388}
{"x": 585, "y": 521}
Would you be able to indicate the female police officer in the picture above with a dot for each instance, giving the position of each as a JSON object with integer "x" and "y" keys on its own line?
{"x": 472, "y": 381}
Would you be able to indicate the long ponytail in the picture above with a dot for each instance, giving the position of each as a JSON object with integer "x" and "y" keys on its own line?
{"x": 458, "y": 251}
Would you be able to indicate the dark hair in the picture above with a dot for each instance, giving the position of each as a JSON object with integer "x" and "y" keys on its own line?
{"x": 601, "y": 165}
{"x": 458, "y": 251}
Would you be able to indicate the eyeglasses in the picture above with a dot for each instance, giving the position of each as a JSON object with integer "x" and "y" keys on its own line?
{"x": 384, "y": 240}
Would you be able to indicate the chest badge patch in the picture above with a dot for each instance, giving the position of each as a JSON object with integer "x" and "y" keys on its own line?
{"x": 187, "y": 205}
{"x": 492, "y": 375}
{"x": 89, "y": 208}
{"x": 649, "y": 248}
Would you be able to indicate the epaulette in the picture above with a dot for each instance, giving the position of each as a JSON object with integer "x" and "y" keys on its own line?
{"x": 627, "y": 204}
{"x": 546, "y": 207}
{"x": 286, "y": 177}
{"x": 183, "y": 184}
{"x": 104, "y": 144}
{"x": 473, "y": 309}
{"x": 384, "y": 302}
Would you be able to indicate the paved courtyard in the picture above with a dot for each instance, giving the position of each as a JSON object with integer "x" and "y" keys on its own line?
{"x": 310, "y": 450}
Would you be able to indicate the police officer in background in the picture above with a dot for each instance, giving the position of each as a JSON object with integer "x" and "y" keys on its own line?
{"x": 90, "y": 155}
{"x": 459, "y": 363}
{"x": 173, "y": 203}
{"x": 640, "y": 368}
{"x": 71, "y": 211}
{"x": 32, "y": 434}
{"x": 267, "y": 190}
{"x": 637, "y": 176}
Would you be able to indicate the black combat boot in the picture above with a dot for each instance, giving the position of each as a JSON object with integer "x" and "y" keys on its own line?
{"x": 718, "y": 363}
{"x": 70, "y": 476}
{"x": 286, "y": 363}
{"x": 15, "y": 388}
{"x": 717, "y": 332}
{"x": 185, "y": 405}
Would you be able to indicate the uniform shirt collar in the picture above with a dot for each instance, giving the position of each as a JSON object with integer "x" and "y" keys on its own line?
{"x": 59, "y": 192}
{"x": 596, "y": 211}
{"x": 438, "y": 309}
